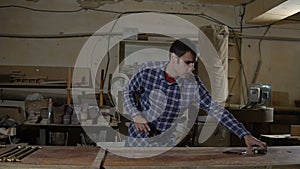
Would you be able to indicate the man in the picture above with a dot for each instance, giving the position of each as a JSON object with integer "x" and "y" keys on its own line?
{"x": 159, "y": 93}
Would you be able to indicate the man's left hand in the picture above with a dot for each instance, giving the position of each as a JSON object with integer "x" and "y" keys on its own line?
{"x": 251, "y": 141}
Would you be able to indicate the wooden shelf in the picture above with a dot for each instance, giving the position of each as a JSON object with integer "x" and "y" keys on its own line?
{"x": 287, "y": 110}
{"x": 32, "y": 85}
{"x": 70, "y": 125}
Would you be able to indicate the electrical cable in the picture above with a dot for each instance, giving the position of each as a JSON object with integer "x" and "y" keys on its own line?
{"x": 240, "y": 60}
{"x": 108, "y": 49}
{"x": 104, "y": 10}
{"x": 204, "y": 16}
{"x": 41, "y": 10}
{"x": 258, "y": 67}
{"x": 32, "y": 36}
{"x": 108, "y": 46}
{"x": 295, "y": 20}
{"x": 107, "y": 65}
{"x": 240, "y": 54}
{"x": 259, "y": 62}
{"x": 245, "y": 3}
{"x": 123, "y": 13}
{"x": 108, "y": 62}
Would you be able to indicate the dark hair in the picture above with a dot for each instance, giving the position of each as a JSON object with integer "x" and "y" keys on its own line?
{"x": 181, "y": 46}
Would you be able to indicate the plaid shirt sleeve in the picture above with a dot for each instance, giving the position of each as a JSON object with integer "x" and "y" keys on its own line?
{"x": 217, "y": 111}
{"x": 129, "y": 94}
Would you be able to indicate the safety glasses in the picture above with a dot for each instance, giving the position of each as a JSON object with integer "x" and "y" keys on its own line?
{"x": 189, "y": 62}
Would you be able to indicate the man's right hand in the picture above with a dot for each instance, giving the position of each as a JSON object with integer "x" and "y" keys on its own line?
{"x": 140, "y": 123}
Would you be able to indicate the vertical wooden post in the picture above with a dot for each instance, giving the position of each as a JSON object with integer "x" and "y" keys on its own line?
{"x": 101, "y": 88}
{"x": 69, "y": 87}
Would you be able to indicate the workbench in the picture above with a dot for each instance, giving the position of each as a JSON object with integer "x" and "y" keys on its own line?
{"x": 68, "y": 157}
{"x": 42, "y": 131}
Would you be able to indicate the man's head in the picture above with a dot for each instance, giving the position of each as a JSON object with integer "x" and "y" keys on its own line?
{"x": 181, "y": 46}
{"x": 183, "y": 56}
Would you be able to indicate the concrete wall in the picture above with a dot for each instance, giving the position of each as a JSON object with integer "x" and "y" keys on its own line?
{"x": 279, "y": 62}
{"x": 279, "y": 57}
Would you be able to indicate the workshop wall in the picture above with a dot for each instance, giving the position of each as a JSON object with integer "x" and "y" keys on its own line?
{"x": 61, "y": 29}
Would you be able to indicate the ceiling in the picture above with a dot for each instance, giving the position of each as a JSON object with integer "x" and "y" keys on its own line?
{"x": 259, "y": 11}
{"x": 291, "y": 19}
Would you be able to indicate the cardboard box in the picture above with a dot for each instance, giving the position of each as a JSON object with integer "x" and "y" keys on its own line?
{"x": 295, "y": 130}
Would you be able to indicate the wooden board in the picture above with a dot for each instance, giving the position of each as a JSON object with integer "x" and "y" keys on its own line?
{"x": 58, "y": 157}
{"x": 206, "y": 157}
{"x": 180, "y": 157}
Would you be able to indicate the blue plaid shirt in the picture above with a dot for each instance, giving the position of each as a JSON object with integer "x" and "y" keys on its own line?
{"x": 162, "y": 103}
